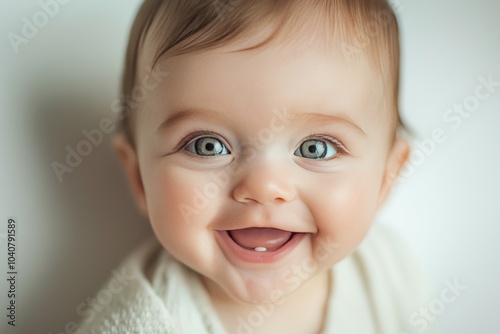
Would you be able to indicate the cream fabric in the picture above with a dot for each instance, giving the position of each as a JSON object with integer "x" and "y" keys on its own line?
{"x": 374, "y": 290}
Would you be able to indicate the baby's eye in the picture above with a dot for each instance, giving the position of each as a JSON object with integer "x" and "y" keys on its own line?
{"x": 207, "y": 146}
{"x": 316, "y": 149}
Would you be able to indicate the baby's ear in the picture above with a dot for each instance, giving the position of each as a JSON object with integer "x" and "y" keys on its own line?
{"x": 398, "y": 156}
{"x": 128, "y": 156}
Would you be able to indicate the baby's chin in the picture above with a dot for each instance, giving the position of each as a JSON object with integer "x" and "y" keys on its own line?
{"x": 251, "y": 289}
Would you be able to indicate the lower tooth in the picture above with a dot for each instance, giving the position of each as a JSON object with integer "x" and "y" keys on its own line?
{"x": 260, "y": 249}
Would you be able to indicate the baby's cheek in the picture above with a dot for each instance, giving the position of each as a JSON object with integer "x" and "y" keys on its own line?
{"x": 179, "y": 210}
{"x": 344, "y": 210}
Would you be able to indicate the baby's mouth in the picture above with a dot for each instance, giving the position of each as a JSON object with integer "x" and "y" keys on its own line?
{"x": 263, "y": 245}
{"x": 260, "y": 239}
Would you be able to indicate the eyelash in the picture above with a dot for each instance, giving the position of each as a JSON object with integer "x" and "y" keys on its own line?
{"x": 198, "y": 134}
{"x": 339, "y": 146}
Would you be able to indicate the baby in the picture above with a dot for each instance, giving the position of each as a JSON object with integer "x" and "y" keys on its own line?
{"x": 261, "y": 155}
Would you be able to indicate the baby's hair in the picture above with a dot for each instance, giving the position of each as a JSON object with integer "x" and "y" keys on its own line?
{"x": 353, "y": 27}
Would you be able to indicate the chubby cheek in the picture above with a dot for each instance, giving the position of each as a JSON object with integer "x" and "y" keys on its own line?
{"x": 343, "y": 209}
{"x": 180, "y": 210}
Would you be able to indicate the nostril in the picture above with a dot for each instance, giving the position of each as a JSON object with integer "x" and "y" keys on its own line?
{"x": 264, "y": 186}
{"x": 263, "y": 198}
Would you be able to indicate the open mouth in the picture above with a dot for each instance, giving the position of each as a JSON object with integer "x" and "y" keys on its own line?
{"x": 260, "y": 245}
{"x": 260, "y": 239}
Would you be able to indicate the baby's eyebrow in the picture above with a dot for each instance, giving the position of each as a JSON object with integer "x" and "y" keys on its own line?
{"x": 327, "y": 119}
{"x": 302, "y": 118}
{"x": 185, "y": 114}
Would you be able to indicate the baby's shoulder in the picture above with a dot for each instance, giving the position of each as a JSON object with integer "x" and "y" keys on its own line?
{"x": 126, "y": 303}
{"x": 385, "y": 255}
{"x": 393, "y": 275}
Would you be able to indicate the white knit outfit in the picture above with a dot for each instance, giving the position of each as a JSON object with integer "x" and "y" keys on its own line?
{"x": 374, "y": 291}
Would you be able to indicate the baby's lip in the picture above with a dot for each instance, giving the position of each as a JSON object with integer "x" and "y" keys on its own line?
{"x": 289, "y": 226}
{"x": 294, "y": 219}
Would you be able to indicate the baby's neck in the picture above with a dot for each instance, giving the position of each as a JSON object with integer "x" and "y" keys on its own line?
{"x": 301, "y": 312}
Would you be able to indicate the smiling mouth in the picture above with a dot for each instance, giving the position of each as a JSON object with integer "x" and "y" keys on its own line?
{"x": 260, "y": 239}
{"x": 258, "y": 245}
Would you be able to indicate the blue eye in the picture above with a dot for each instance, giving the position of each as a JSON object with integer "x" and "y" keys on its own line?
{"x": 207, "y": 147}
{"x": 316, "y": 149}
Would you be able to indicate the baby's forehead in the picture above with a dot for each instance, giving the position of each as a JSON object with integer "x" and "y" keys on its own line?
{"x": 253, "y": 48}
{"x": 260, "y": 81}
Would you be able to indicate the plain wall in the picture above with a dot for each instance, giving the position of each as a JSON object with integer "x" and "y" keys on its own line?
{"x": 72, "y": 234}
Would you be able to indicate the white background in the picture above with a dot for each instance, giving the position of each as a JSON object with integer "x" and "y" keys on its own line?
{"x": 73, "y": 234}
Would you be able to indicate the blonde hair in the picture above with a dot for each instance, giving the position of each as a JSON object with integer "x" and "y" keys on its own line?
{"x": 176, "y": 27}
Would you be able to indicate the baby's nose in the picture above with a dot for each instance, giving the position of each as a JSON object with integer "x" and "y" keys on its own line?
{"x": 265, "y": 181}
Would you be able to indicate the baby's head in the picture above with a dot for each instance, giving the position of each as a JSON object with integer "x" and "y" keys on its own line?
{"x": 264, "y": 138}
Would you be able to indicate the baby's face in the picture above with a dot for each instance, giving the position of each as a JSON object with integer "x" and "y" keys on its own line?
{"x": 235, "y": 142}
